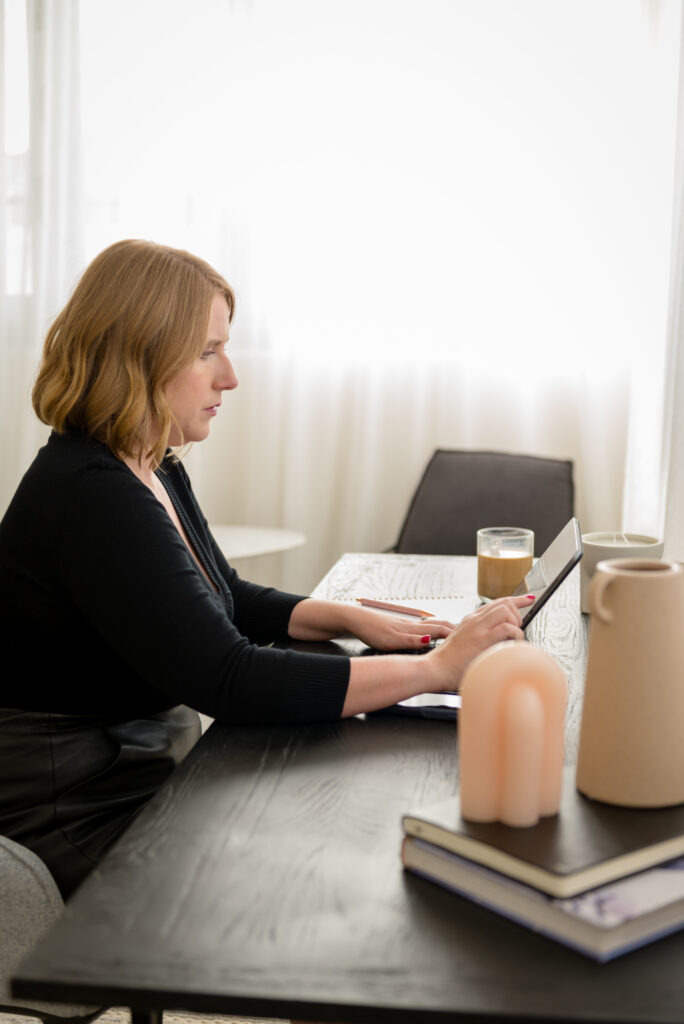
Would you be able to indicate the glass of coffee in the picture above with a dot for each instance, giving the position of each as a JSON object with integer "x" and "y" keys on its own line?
{"x": 504, "y": 558}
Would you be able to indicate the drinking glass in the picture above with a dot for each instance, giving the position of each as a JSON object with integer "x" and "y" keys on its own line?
{"x": 504, "y": 558}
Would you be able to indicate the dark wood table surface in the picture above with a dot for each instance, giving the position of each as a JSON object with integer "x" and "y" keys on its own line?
{"x": 265, "y": 879}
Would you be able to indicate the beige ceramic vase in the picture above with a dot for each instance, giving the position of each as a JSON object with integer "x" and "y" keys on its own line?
{"x": 631, "y": 749}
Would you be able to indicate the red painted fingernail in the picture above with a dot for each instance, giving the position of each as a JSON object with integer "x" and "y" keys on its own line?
{"x": 425, "y": 639}
{"x": 531, "y": 597}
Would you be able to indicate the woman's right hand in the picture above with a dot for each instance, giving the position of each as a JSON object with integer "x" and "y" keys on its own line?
{"x": 490, "y": 624}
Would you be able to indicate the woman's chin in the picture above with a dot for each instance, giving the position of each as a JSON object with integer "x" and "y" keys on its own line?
{"x": 176, "y": 440}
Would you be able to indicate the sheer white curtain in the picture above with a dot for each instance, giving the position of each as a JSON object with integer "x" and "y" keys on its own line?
{"x": 671, "y": 490}
{"x": 457, "y": 234}
{"x": 447, "y": 222}
{"x": 41, "y": 229}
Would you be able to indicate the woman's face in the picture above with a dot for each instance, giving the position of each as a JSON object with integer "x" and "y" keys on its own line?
{"x": 194, "y": 394}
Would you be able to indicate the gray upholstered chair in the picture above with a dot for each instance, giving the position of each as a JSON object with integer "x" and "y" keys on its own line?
{"x": 461, "y": 491}
{"x": 29, "y": 903}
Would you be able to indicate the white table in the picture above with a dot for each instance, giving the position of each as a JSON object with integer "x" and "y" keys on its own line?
{"x": 248, "y": 541}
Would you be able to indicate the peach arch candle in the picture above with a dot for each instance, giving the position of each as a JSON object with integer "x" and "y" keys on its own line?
{"x": 510, "y": 729}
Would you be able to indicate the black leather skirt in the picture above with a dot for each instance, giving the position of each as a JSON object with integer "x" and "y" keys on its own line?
{"x": 71, "y": 784}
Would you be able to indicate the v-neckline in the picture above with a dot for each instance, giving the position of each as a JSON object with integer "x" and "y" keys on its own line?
{"x": 192, "y": 540}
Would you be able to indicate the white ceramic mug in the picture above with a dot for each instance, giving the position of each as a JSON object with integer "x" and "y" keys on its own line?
{"x": 612, "y": 544}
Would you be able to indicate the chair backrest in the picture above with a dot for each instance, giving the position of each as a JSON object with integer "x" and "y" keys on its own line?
{"x": 29, "y": 903}
{"x": 462, "y": 491}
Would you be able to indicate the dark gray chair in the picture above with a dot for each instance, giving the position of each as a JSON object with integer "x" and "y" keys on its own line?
{"x": 462, "y": 491}
{"x": 29, "y": 903}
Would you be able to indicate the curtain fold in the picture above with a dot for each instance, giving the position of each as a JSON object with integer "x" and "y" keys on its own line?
{"x": 55, "y": 205}
{"x": 670, "y": 491}
{"x": 42, "y": 226}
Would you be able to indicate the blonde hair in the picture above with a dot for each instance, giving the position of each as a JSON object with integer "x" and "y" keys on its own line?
{"x": 138, "y": 315}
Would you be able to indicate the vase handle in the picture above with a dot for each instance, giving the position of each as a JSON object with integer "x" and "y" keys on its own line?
{"x": 596, "y": 591}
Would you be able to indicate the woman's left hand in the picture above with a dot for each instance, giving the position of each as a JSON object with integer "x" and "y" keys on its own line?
{"x": 313, "y": 619}
{"x": 387, "y": 632}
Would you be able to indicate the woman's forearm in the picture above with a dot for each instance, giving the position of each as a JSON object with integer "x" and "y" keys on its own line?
{"x": 380, "y": 682}
{"x": 313, "y": 619}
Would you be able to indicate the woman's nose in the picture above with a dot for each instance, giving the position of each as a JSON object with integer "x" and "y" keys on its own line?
{"x": 227, "y": 380}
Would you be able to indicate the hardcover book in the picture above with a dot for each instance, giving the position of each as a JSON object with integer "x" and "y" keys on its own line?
{"x": 585, "y": 845}
{"x": 602, "y": 923}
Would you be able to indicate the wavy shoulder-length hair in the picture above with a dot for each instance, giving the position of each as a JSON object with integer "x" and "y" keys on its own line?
{"x": 139, "y": 315}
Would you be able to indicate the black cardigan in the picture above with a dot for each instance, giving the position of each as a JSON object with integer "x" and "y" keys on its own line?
{"x": 103, "y": 608}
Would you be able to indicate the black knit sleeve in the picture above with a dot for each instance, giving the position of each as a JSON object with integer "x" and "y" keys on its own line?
{"x": 132, "y": 577}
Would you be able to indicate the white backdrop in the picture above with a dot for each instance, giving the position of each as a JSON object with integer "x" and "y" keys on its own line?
{"x": 448, "y": 223}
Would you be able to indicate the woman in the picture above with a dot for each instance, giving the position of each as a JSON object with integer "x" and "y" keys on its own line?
{"x": 118, "y": 612}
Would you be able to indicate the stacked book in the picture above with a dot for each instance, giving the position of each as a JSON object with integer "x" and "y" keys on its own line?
{"x": 599, "y": 878}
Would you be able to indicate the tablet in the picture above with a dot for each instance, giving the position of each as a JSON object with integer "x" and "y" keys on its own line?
{"x": 551, "y": 568}
{"x": 442, "y": 706}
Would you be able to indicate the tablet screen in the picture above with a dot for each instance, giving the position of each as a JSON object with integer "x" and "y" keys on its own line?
{"x": 549, "y": 571}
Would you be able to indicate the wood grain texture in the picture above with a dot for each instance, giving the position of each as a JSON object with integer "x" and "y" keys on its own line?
{"x": 265, "y": 879}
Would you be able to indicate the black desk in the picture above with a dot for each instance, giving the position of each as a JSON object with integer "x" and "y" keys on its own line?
{"x": 265, "y": 879}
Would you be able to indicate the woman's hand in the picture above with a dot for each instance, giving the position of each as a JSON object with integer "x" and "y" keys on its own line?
{"x": 490, "y": 624}
{"x": 387, "y": 632}
{"x": 313, "y": 619}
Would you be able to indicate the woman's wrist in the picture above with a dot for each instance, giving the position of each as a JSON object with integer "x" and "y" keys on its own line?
{"x": 440, "y": 676}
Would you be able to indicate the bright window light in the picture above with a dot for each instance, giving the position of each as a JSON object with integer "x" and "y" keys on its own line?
{"x": 433, "y": 179}
{"x": 16, "y": 95}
